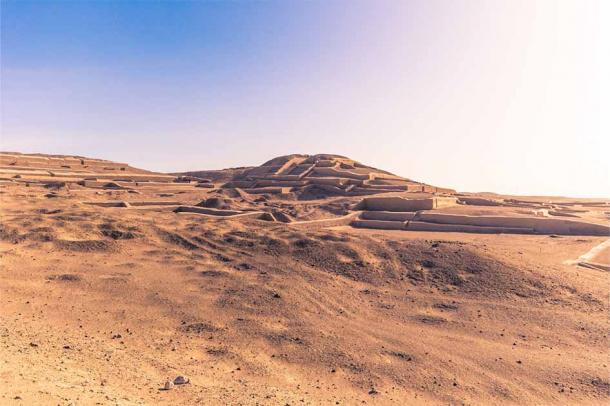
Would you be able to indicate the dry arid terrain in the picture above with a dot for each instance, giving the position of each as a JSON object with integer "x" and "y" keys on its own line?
{"x": 310, "y": 280}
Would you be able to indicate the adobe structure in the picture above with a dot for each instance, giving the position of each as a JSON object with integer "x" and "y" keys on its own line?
{"x": 323, "y": 175}
{"x": 321, "y": 190}
{"x": 72, "y": 169}
{"x": 444, "y": 214}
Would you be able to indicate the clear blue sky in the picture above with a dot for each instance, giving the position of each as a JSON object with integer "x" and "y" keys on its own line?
{"x": 506, "y": 96}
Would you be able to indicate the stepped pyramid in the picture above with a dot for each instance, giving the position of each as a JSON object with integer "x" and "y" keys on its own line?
{"x": 325, "y": 174}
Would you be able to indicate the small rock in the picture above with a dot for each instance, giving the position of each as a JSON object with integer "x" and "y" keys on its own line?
{"x": 267, "y": 217}
{"x": 168, "y": 385}
{"x": 181, "y": 380}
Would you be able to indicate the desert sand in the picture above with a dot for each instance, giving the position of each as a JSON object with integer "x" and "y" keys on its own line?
{"x": 282, "y": 284}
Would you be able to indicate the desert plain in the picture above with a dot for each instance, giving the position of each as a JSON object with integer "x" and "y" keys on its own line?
{"x": 308, "y": 280}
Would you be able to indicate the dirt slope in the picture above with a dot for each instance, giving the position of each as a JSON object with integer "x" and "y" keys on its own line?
{"x": 100, "y": 305}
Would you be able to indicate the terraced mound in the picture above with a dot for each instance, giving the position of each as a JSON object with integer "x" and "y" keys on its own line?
{"x": 66, "y": 168}
{"x": 322, "y": 175}
{"x": 57, "y": 172}
{"x": 451, "y": 214}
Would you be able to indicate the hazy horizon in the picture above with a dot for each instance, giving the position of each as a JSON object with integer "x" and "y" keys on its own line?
{"x": 495, "y": 96}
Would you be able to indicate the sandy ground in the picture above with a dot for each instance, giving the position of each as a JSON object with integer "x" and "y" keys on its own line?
{"x": 102, "y": 305}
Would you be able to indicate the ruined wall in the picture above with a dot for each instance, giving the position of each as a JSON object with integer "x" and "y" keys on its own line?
{"x": 392, "y": 203}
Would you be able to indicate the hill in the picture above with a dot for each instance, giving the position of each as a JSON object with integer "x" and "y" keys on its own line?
{"x": 322, "y": 175}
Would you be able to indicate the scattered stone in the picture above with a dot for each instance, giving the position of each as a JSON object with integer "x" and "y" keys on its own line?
{"x": 168, "y": 385}
{"x": 445, "y": 306}
{"x": 281, "y": 216}
{"x": 244, "y": 266}
{"x": 426, "y": 263}
{"x": 64, "y": 277}
{"x": 54, "y": 185}
{"x": 267, "y": 217}
{"x": 401, "y": 355}
{"x": 216, "y": 203}
{"x": 181, "y": 380}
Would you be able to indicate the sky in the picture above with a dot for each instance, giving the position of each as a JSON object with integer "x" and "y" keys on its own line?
{"x": 506, "y": 96}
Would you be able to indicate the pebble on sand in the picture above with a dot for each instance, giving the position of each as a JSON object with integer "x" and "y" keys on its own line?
{"x": 181, "y": 380}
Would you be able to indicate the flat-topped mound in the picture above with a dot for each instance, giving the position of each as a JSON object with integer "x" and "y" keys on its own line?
{"x": 323, "y": 175}
{"x": 447, "y": 214}
{"x": 72, "y": 168}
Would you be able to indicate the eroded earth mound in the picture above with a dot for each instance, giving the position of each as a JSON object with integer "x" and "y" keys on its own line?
{"x": 322, "y": 175}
